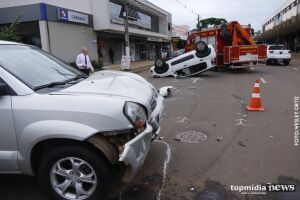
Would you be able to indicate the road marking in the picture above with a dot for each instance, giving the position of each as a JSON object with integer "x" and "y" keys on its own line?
{"x": 240, "y": 122}
{"x": 294, "y": 68}
{"x": 182, "y": 119}
{"x": 195, "y": 81}
{"x": 166, "y": 166}
{"x": 263, "y": 80}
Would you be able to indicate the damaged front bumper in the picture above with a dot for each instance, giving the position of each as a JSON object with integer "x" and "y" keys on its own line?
{"x": 135, "y": 153}
{"x": 137, "y": 149}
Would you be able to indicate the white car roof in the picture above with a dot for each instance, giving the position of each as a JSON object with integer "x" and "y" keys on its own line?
{"x": 7, "y": 42}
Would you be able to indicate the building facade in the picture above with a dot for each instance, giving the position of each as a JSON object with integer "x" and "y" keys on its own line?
{"x": 179, "y": 36}
{"x": 64, "y": 27}
{"x": 283, "y": 26}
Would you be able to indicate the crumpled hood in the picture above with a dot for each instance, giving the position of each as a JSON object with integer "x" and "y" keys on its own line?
{"x": 111, "y": 83}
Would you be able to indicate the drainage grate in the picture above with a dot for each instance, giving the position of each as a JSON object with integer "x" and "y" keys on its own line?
{"x": 191, "y": 137}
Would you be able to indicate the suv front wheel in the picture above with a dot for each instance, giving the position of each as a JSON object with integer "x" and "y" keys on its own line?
{"x": 75, "y": 172}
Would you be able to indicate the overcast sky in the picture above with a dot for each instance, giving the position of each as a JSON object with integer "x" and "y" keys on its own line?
{"x": 252, "y": 12}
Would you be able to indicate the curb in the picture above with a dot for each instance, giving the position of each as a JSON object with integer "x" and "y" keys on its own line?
{"x": 141, "y": 69}
{"x": 135, "y": 70}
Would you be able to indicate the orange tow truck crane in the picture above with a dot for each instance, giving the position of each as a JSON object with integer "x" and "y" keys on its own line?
{"x": 234, "y": 45}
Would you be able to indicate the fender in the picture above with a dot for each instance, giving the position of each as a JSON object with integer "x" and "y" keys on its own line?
{"x": 44, "y": 130}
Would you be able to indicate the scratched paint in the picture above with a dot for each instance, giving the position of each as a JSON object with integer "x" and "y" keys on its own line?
{"x": 165, "y": 168}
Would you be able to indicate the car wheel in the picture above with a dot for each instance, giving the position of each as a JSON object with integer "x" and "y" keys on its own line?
{"x": 160, "y": 66}
{"x": 75, "y": 172}
{"x": 159, "y": 63}
{"x": 201, "y": 47}
{"x": 286, "y": 62}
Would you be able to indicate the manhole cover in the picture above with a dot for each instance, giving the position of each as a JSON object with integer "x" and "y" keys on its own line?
{"x": 191, "y": 137}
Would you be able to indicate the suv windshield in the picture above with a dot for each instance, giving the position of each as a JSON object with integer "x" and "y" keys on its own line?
{"x": 34, "y": 67}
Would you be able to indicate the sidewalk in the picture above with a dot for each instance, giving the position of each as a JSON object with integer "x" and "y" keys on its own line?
{"x": 135, "y": 67}
{"x": 296, "y": 56}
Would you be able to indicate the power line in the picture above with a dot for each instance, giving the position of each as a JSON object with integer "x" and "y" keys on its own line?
{"x": 187, "y": 8}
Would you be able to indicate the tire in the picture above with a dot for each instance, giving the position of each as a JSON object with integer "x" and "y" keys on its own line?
{"x": 286, "y": 62}
{"x": 201, "y": 47}
{"x": 160, "y": 66}
{"x": 268, "y": 62}
{"x": 93, "y": 166}
{"x": 159, "y": 63}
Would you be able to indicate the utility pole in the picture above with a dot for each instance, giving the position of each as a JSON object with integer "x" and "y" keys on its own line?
{"x": 127, "y": 48}
{"x": 125, "y": 63}
{"x": 198, "y": 24}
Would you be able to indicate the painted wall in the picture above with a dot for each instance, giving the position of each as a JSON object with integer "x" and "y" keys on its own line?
{"x": 80, "y": 37}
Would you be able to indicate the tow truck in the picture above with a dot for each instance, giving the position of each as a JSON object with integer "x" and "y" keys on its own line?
{"x": 234, "y": 45}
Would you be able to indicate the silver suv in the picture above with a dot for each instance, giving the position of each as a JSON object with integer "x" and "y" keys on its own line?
{"x": 68, "y": 129}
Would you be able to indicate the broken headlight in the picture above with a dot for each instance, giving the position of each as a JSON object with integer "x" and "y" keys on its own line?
{"x": 136, "y": 114}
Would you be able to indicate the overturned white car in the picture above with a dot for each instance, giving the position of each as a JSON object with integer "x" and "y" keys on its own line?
{"x": 189, "y": 64}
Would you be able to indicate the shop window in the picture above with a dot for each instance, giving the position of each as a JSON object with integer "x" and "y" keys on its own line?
{"x": 137, "y": 19}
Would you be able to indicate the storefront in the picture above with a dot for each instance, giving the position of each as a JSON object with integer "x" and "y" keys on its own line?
{"x": 111, "y": 47}
{"x": 64, "y": 27}
{"x": 178, "y": 43}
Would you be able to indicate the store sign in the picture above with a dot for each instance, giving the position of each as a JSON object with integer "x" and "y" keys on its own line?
{"x": 153, "y": 39}
{"x": 71, "y": 16}
{"x": 175, "y": 39}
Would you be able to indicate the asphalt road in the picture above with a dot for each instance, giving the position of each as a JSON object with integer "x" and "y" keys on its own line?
{"x": 225, "y": 145}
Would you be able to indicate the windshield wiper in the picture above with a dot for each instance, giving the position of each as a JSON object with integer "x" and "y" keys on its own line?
{"x": 50, "y": 85}
{"x": 61, "y": 73}
{"x": 77, "y": 77}
{"x": 53, "y": 84}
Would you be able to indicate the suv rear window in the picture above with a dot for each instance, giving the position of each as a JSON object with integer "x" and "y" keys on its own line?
{"x": 277, "y": 48}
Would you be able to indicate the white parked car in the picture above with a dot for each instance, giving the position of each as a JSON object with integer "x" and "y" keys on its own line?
{"x": 278, "y": 53}
{"x": 69, "y": 129}
{"x": 188, "y": 64}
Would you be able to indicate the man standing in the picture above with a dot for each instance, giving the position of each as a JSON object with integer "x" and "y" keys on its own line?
{"x": 83, "y": 62}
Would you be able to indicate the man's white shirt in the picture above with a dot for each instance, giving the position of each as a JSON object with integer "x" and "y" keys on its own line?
{"x": 80, "y": 62}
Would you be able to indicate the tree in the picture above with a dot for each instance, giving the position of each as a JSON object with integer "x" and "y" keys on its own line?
{"x": 209, "y": 22}
{"x": 9, "y": 32}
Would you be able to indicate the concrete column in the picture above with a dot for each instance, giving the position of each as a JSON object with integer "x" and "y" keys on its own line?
{"x": 44, "y": 33}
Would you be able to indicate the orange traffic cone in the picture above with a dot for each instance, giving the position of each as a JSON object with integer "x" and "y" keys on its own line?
{"x": 255, "y": 101}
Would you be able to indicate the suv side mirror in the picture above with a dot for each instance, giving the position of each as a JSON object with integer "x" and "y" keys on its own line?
{"x": 3, "y": 89}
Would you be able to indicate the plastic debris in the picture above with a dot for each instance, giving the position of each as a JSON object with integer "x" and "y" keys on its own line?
{"x": 241, "y": 143}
